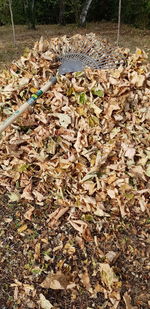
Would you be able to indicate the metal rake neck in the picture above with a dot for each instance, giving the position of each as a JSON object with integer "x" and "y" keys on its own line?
{"x": 76, "y": 62}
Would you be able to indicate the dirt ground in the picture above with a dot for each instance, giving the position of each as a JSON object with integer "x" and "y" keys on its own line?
{"x": 130, "y": 37}
{"x": 126, "y": 237}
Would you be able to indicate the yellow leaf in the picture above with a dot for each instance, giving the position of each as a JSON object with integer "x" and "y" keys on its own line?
{"x": 26, "y": 52}
{"x": 22, "y": 228}
{"x": 138, "y": 51}
{"x": 111, "y": 179}
{"x": 33, "y": 90}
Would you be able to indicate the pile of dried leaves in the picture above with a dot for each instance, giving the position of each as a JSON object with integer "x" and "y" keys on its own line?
{"x": 80, "y": 159}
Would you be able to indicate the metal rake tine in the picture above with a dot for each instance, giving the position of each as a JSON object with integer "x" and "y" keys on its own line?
{"x": 104, "y": 63}
{"x": 108, "y": 55}
{"x": 88, "y": 50}
{"x": 84, "y": 45}
{"x": 107, "y": 51}
{"x": 107, "y": 65}
{"x": 103, "y": 54}
{"x": 89, "y": 45}
{"x": 107, "y": 59}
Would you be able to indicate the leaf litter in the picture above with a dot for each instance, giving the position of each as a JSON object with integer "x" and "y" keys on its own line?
{"x": 77, "y": 166}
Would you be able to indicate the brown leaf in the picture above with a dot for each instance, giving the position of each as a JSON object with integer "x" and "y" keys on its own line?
{"x": 78, "y": 225}
{"x": 38, "y": 195}
{"x": 58, "y": 281}
{"x": 28, "y": 213}
{"x": 37, "y": 250}
{"x": 56, "y": 215}
{"x": 127, "y": 300}
{"x": 137, "y": 79}
{"x": 27, "y": 193}
{"x": 85, "y": 279}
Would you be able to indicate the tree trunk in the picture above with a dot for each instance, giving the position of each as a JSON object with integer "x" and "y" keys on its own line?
{"x": 12, "y": 21}
{"x": 119, "y": 22}
{"x": 84, "y": 12}
{"x": 61, "y": 12}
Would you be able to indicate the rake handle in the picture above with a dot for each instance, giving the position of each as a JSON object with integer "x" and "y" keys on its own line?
{"x": 26, "y": 105}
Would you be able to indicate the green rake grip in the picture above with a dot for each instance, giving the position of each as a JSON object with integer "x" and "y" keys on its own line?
{"x": 26, "y": 105}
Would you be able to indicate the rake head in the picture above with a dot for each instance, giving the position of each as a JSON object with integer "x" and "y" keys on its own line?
{"x": 75, "y": 62}
{"x": 78, "y": 54}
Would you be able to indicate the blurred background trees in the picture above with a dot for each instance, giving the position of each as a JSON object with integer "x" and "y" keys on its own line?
{"x": 31, "y": 12}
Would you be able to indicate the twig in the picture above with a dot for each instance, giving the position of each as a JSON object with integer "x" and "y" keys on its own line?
{"x": 12, "y": 21}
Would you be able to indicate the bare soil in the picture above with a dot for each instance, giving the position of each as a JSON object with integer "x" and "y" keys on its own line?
{"x": 127, "y": 237}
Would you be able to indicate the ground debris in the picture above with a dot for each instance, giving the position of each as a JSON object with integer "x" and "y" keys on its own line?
{"x": 75, "y": 183}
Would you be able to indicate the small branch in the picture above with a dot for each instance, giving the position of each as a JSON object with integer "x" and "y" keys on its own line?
{"x": 12, "y": 21}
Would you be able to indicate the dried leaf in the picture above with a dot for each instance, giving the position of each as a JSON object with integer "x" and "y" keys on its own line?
{"x": 56, "y": 215}
{"x": 28, "y": 213}
{"x": 137, "y": 79}
{"x": 44, "y": 303}
{"x": 111, "y": 193}
{"x": 114, "y": 132}
{"x": 130, "y": 153}
{"x": 64, "y": 119}
{"x": 14, "y": 197}
{"x": 85, "y": 279}
{"x": 85, "y": 149}
{"x": 108, "y": 276}
{"x": 111, "y": 255}
{"x": 37, "y": 251}
{"x": 58, "y": 281}
{"x": 147, "y": 172}
{"x": 127, "y": 300}
{"x": 78, "y": 225}
{"x": 101, "y": 213}
{"x": 22, "y": 228}
{"x": 38, "y": 195}
{"x": 27, "y": 193}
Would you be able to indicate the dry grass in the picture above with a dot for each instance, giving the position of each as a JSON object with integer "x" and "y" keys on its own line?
{"x": 130, "y": 37}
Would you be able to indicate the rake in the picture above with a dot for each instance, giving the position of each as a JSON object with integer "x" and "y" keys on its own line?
{"x": 73, "y": 59}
